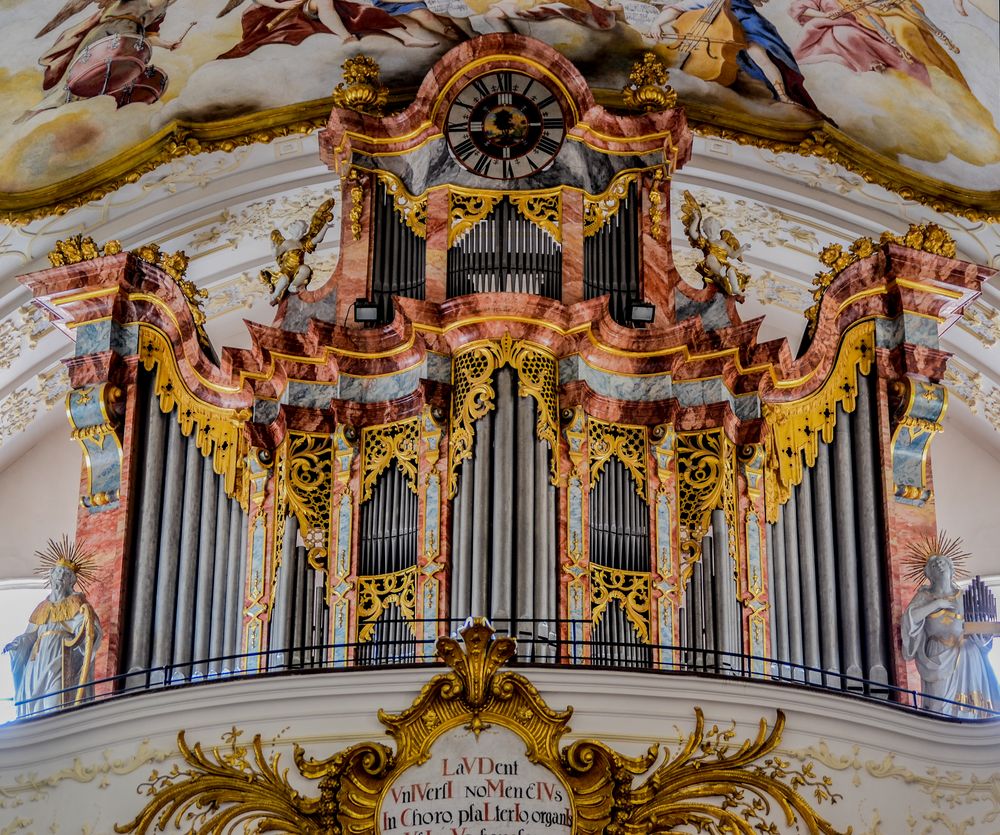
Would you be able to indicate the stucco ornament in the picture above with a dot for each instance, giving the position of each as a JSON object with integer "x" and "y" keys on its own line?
{"x": 293, "y": 274}
{"x": 954, "y": 673}
{"x": 53, "y": 659}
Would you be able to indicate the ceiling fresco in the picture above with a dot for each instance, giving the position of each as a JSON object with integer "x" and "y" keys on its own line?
{"x": 94, "y": 93}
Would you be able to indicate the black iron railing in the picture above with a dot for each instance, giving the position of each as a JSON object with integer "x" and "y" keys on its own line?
{"x": 540, "y": 644}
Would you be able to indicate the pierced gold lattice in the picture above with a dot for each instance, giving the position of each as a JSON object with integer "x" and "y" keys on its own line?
{"x": 473, "y": 395}
{"x": 376, "y": 593}
{"x": 381, "y": 445}
{"x": 700, "y": 474}
{"x": 308, "y": 489}
{"x": 624, "y": 442}
{"x": 630, "y": 588}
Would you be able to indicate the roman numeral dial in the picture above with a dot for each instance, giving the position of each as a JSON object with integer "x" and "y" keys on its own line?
{"x": 505, "y": 125}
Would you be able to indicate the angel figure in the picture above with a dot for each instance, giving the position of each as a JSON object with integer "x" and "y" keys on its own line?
{"x": 106, "y": 53}
{"x": 721, "y": 249}
{"x": 293, "y": 274}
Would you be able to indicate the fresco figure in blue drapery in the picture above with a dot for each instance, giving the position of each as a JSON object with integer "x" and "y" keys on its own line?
{"x": 764, "y": 56}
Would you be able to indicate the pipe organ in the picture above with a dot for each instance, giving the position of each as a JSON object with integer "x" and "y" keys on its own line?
{"x": 504, "y": 441}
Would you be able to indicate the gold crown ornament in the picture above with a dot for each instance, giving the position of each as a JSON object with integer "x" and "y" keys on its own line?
{"x": 67, "y": 554}
{"x": 934, "y": 546}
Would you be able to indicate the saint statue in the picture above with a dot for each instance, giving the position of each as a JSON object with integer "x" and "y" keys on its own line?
{"x": 952, "y": 664}
{"x": 53, "y": 660}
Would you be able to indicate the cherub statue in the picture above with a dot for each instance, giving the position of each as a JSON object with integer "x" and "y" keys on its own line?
{"x": 293, "y": 274}
{"x": 53, "y": 660}
{"x": 955, "y": 675}
{"x": 720, "y": 247}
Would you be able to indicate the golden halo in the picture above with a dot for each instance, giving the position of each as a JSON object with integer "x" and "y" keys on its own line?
{"x": 934, "y": 546}
{"x": 68, "y": 554}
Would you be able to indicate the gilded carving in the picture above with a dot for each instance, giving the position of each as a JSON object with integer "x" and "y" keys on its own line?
{"x": 381, "y": 445}
{"x": 362, "y": 89}
{"x": 80, "y": 248}
{"x": 377, "y": 592}
{"x": 357, "y": 203}
{"x": 473, "y": 394}
{"x": 701, "y": 477}
{"x": 309, "y": 490}
{"x": 621, "y": 441}
{"x": 796, "y": 427}
{"x": 629, "y": 588}
{"x": 722, "y": 252}
{"x": 544, "y": 209}
{"x": 466, "y": 210}
{"x": 648, "y": 87}
{"x": 175, "y": 265}
{"x": 411, "y": 209}
{"x": 927, "y": 237}
{"x": 711, "y": 783}
{"x": 599, "y": 208}
{"x": 657, "y": 206}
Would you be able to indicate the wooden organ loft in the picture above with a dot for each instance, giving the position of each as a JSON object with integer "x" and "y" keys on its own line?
{"x": 502, "y": 437}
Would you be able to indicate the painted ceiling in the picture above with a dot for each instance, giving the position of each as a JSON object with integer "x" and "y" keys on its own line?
{"x": 94, "y": 93}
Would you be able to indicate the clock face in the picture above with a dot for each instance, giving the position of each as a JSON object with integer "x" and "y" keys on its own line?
{"x": 505, "y": 125}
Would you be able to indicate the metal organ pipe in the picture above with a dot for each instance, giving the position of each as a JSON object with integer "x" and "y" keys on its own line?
{"x": 206, "y": 568}
{"x": 217, "y": 630}
{"x": 847, "y": 552}
{"x": 236, "y": 579}
{"x": 793, "y": 588}
{"x": 826, "y": 582}
{"x": 188, "y": 565}
{"x": 807, "y": 576}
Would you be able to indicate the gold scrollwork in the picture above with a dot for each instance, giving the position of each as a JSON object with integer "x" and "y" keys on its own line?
{"x": 80, "y": 248}
{"x": 796, "y": 427}
{"x": 701, "y": 472}
{"x": 630, "y": 588}
{"x": 357, "y": 203}
{"x": 473, "y": 395}
{"x": 466, "y": 210}
{"x": 542, "y": 209}
{"x": 411, "y": 209}
{"x": 927, "y": 237}
{"x": 656, "y": 205}
{"x": 377, "y": 592}
{"x": 175, "y": 265}
{"x": 711, "y": 783}
{"x": 219, "y": 431}
{"x": 624, "y": 442}
{"x": 382, "y": 444}
{"x": 309, "y": 490}
{"x": 600, "y": 208}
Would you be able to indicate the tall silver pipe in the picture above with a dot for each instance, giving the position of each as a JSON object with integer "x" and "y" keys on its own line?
{"x": 219, "y": 613}
{"x": 807, "y": 577}
{"x": 461, "y": 546}
{"x": 169, "y": 552}
{"x": 299, "y": 619}
{"x": 187, "y": 576}
{"x": 847, "y": 551}
{"x": 206, "y": 567}
{"x": 772, "y": 620}
{"x": 826, "y": 569}
{"x": 283, "y": 617}
{"x": 502, "y": 568}
{"x": 148, "y": 532}
{"x": 777, "y": 591}
{"x": 793, "y": 598}
{"x": 482, "y": 459}
{"x": 868, "y": 498}
{"x": 236, "y": 613}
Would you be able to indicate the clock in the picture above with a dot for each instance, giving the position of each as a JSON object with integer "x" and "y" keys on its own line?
{"x": 505, "y": 125}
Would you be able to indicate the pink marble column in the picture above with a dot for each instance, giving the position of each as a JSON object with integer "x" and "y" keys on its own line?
{"x": 572, "y": 246}
{"x": 436, "y": 276}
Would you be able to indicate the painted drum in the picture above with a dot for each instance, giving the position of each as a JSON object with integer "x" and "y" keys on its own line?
{"x": 146, "y": 89}
{"x": 107, "y": 65}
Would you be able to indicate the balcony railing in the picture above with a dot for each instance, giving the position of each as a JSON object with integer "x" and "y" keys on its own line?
{"x": 539, "y": 645}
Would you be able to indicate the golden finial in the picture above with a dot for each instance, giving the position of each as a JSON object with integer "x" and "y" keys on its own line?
{"x": 175, "y": 265}
{"x": 648, "y": 87}
{"x": 934, "y": 546}
{"x": 362, "y": 89}
{"x": 67, "y": 554}
{"x": 80, "y": 248}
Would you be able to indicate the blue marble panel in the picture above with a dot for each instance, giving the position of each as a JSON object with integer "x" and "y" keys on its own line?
{"x": 93, "y": 337}
{"x": 309, "y": 395}
{"x": 438, "y": 367}
{"x": 380, "y": 389}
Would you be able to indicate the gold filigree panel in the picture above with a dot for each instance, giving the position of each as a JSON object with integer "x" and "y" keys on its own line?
{"x": 701, "y": 476}
{"x": 377, "y": 592}
{"x": 629, "y": 588}
{"x": 308, "y": 488}
{"x": 622, "y": 441}
{"x": 473, "y": 395}
{"x": 795, "y": 428}
{"x": 542, "y": 209}
{"x": 383, "y": 444}
{"x": 412, "y": 210}
{"x": 600, "y": 208}
{"x": 711, "y": 783}
{"x": 466, "y": 210}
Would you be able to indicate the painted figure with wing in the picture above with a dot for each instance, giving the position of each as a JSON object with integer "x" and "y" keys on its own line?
{"x": 107, "y": 53}
{"x": 293, "y": 274}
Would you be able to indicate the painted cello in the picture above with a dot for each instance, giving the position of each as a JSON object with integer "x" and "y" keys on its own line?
{"x": 706, "y": 42}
